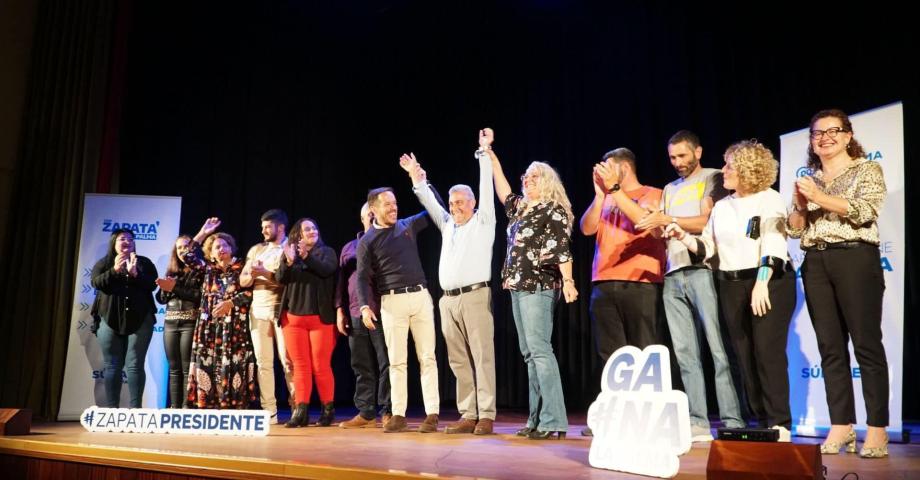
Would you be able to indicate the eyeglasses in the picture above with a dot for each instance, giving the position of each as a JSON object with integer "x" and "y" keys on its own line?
{"x": 531, "y": 176}
{"x": 830, "y": 132}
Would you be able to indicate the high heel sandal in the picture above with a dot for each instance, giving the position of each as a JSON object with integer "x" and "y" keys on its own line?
{"x": 538, "y": 435}
{"x": 524, "y": 432}
{"x": 833, "y": 448}
{"x": 874, "y": 452}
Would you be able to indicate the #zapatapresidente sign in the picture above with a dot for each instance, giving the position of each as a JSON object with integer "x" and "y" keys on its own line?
{"x": 253, "y": 423}
{"x": 640, "y": 424}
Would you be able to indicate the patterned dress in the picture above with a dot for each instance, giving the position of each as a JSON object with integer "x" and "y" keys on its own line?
{"x": 538, "y": 241}
{"x": 223, "y": 369}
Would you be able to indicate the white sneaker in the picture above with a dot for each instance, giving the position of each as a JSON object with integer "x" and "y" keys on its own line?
{"x": 700, "y": 434}
{"x": 273, "y": 420}
{"x": 784, "y": 434}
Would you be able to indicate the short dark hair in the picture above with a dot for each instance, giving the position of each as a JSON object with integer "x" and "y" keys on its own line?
{"x": 854, "y": 148}
{"x": 297, "y": 232}
{"x": 685, "y": 136}
{"x": 276, "y": 216}
{"x": 372, "y": 195}
{"x": 622, "y": 154}
{"x": 114, "y": 236}
{"x": 209, "y": 243}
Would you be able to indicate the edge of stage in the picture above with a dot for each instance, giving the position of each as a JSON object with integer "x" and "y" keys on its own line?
{"x": 66, "y": 450}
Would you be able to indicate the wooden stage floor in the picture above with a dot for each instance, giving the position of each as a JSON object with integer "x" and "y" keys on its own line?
{"x": 337, "y": 453}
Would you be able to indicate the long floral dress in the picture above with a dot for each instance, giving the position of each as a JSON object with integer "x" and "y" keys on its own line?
{"x": 222, "y": 373}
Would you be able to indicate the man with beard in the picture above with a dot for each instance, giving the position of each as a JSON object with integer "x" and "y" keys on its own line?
{"x": 689, "y": 292}
{"x": 388, "y": 260}
{"x": 259, "y": 272}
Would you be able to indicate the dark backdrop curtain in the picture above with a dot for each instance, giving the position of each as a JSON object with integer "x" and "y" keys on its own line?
{"x": 306, "y": 105}
{"x": 62, "y": 133}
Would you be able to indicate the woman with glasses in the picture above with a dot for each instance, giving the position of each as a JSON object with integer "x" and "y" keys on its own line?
{"x": 747, "y": 230}
{"x": 307, "y": 272}
{"x": 538, "y": 265}
{"x": 835, "y": 214}
{"x": 222, "y": 374}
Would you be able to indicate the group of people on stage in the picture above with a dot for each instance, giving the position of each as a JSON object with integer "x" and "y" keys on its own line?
{"x": 710, "y": 242}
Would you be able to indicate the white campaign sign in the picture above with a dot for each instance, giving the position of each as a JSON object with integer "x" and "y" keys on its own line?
{"x": 155, "y": 223}
{"x": 253, "y": 423}
{"x": 640, "y": 424}
{"x": 881, "y": 133}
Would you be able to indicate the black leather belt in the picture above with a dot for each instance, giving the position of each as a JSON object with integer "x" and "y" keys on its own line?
{"x": 469, "y": 288}
{"x": 733, "y": 275}
{"x": 821, "y": 246}
{"x": 409, "y": 289}
{"x": 750, "y": 273}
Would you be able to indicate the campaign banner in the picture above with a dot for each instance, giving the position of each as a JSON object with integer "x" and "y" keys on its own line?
{"x": 155, "y": 223}
{"x": 881, "y": 133}
{"x": 251, "y": 423}
{"x": 640, "y": 424}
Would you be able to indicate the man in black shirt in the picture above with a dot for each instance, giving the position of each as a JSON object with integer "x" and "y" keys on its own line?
{"x": 388, "y": 258}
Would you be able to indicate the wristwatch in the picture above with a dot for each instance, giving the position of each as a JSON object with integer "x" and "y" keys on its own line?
{"x": 614, "y": 188}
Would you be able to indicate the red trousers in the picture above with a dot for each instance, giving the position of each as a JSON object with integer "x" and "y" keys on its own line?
{"x": 309, "y": 343}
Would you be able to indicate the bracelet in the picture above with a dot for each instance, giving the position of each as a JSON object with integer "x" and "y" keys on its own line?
{"x": 568, "y": 280}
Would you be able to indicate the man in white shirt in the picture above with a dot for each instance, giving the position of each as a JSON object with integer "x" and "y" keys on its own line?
{"x": 464, "y": 272}
{"x": 259, "y": 273}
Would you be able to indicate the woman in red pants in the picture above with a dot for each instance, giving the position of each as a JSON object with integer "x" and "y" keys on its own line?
{"x": 308, "y": 318}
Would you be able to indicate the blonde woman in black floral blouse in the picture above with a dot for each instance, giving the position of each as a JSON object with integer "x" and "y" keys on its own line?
{"x": 538, "y": 264}
{"x": 222, "y": 373}
{"x": 835, "y": 216}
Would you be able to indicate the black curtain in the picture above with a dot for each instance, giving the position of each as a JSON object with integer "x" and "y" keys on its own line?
{"x": 60, "y": 150}
{"x": 306, "y": 105}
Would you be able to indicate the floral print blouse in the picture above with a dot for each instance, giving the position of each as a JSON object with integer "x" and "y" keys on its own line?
{"x": 538, "y": 241}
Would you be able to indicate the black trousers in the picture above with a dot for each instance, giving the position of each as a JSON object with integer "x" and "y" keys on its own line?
{"x": 624, "y": 313}
{"x": 843, "y": 290}
{"x": 177, "y": 340}
{"x": 371, "y": 366}
{"x": 759, "y": 343}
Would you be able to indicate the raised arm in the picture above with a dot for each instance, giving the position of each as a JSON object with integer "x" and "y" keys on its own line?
{"x": 423, "y": 190}
{"x": 592, "y": 216}
{"x": 486, "y": 188}
{"x": 502, "y": 187}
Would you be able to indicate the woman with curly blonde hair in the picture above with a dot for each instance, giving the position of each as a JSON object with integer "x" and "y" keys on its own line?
{"x": 538, "y": 265}
{"x": 756, "y": 280}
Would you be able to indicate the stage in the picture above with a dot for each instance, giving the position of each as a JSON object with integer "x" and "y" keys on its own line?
{"x": 66, "y": 450}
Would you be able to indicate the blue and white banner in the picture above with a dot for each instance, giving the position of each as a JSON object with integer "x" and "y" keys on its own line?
{"x": 252, "y": 423}
{"x": 155, "y": 223}
{"x": 881, "y": 133}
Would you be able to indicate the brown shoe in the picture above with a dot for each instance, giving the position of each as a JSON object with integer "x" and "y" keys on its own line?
{"x": 396, "y": 424}
{"x": 386, "y": 419}
{"x": 359, "y": 422}
{"x": 483, "y": 427}
{"x": 429, "y": 425}
{"x": 464, "y": 425}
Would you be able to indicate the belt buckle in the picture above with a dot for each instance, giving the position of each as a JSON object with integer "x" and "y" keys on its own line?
{"x": 821, "y": 246}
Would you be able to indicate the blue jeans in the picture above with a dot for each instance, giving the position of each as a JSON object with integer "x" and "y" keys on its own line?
{"x": 533, "y": 319}
{"x": 124, "y": 352}
{"x": 690, "y": 295}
